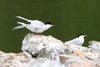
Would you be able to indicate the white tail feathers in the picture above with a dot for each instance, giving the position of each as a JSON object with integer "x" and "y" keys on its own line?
{"x": 22, "y": 25}
{"x": 18, "y": 27}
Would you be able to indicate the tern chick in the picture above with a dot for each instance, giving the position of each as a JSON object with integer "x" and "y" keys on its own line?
{"x": 77, "y": 41}
{"x": 35, "y": 26}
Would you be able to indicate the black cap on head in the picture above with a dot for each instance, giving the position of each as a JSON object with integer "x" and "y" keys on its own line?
{"x": 48, "y": 23}
{"x": 80, "y": 35}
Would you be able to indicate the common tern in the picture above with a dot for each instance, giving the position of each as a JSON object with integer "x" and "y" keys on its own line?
{"x": 77, "y": 41}
{"x": 35, "y": 26}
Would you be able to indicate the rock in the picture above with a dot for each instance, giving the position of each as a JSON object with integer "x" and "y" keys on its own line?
{"x": 25, "y": 60}
{"x": 94, "y": 46}
{"x": 41, "y": 45}
{"x": 76, "y": 61}
{"x": 98, "y": 65}
{"x": 46, "y": 51}
{"x": 14, "y": 59}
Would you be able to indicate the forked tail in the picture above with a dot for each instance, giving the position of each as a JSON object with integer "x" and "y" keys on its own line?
{"x": 22, "y": 25}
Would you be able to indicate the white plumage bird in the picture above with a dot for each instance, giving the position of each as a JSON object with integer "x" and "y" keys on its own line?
{"x": 35, "y": 26}
{"x": 77, "y": 41}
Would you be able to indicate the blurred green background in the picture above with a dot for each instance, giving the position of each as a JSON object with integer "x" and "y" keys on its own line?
{"x": 70, "y": 17}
